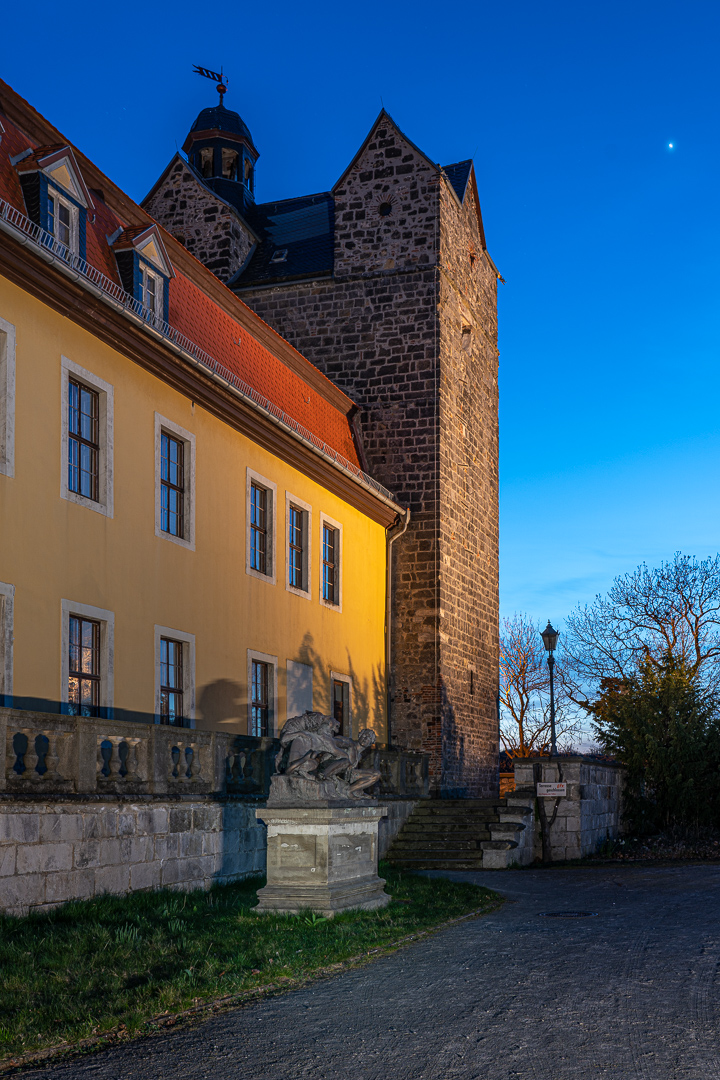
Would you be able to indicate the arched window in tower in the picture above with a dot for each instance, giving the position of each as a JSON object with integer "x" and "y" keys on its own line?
{"x": 205, "y": 161}
{"x": 229, "y": 164}
{"x": 248, "y": 173}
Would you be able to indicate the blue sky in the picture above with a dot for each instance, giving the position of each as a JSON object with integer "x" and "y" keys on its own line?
{"x": 607, "y": 238}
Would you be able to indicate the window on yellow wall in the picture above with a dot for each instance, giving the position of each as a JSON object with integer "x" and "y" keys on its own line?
{"x": 87, "y": 438}
{"x": 330, "y": 564}
{"x": 7, "y": 398}
{"x": 296, "y": 547}
{"x": 172, "y": 485}
{"x": 260, "y": 699}
{"x": 171, "y": 682}
{"x": 259, "y": 529}
{"x": 83, "y": 440}
{"x": 84, "y": 669}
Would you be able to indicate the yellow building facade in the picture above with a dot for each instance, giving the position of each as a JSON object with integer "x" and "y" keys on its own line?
{"x": 266, "y": 596}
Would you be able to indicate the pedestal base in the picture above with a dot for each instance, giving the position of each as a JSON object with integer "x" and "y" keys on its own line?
{"x": 322, "y": 859}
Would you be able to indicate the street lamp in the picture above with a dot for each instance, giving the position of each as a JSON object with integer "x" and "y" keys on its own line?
{"x": 550, "y": 638}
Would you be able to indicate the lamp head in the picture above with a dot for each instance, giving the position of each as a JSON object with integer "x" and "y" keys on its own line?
{"x": 550, "y": 638}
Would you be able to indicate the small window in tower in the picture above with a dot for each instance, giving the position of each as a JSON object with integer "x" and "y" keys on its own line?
{"x": 248, "y": 172}
{"x": 229, "y": 164}
{"x": 206, "y": 160}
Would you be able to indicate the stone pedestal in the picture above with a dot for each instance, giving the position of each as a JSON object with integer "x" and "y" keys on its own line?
{"x": 322, "y": 857}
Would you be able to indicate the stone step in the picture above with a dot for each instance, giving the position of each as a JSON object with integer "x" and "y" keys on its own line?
{"x": 461, "y": 833}
{"x": 431, "y": 819}
{"x": 469, "y": 804}
{"x": 429, "y": 863}
{"x": 405, "y": 846}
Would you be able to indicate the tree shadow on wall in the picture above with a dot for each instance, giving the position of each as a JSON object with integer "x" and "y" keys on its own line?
{"x": 368, "y": 693}
{"x": 222, "y": 701}
{"x": 453, "y": 752}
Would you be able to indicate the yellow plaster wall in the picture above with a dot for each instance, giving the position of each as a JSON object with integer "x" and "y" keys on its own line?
{"x": 52, "y": 549}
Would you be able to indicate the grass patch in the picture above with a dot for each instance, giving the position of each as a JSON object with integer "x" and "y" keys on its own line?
{"x": 116, "y": 965}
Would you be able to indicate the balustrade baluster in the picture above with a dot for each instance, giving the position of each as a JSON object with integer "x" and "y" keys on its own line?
{"x": 131, "y": 761}
{"x": 194, "y": 762}
{"x": 31, "y": 756}
{"x": 52, "y": 758}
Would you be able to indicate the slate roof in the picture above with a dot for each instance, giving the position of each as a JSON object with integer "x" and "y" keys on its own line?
{"x": 458, "y": 175}
{"x": 298, "y": 239}
{"x": 298, "y": 234}
{"x": 194, "y": 314}
{"x": 218, "y": 118}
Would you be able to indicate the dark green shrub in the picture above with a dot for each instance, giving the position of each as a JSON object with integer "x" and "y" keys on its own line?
{"x": 665, "y": 729}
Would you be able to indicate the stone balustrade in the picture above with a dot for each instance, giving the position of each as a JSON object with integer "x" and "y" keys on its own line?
{"x": 47, "y": 754}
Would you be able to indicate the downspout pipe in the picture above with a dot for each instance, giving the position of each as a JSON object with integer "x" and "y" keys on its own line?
{"x": 396, "y": 530}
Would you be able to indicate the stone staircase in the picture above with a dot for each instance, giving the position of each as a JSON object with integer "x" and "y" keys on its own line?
{"x": 465, "y": 834}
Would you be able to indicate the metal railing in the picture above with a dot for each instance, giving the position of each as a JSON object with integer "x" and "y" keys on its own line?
{"x": 118, "y": 295}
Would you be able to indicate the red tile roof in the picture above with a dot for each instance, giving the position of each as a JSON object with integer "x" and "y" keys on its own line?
{"x": 195, "y": 314}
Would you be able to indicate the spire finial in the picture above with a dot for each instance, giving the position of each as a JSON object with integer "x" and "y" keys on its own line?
{"x": 215, "y": 76}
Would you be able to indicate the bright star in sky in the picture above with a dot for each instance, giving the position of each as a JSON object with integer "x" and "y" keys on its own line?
{"x": 671, "y": 146}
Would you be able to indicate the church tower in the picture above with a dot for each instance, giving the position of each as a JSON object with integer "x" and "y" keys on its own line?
{"x": 385, "y": 284}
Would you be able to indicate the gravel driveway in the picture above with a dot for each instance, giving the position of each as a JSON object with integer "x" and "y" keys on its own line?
{"x": 630, "y": 993}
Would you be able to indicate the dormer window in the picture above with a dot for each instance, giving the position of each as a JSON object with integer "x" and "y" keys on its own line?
{"x": 56, "y": 196}
{"x": 145, "y": 269}
{"x": 152, "y": 291}
{"x": 62, "y": 221}
{"x": 229, "y": 163}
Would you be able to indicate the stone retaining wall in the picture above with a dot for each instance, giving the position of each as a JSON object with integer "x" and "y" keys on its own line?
{"x": 590, "y": 814}
{"x": 52, "y": 852}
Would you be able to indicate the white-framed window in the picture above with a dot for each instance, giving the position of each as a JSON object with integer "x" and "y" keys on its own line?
{"x": 341, "y": 701}
{"x": 260, "y": 513}
{"x": 87, "y": 659}
{"x": 262, "y": 694}
{"x": 152, "y": 290}
{"x": 7, "y": 398}
{"x": 63, "y": 221}
{"x": 174, "y": 677}
{"x": 331, "y": 568}
{"x": 299, "y": 688}
{"x": 174, "y": 483}
{"x": 86, "y": 475}
{"x": 7, "y": 601}
{"x": 298, "y": 533}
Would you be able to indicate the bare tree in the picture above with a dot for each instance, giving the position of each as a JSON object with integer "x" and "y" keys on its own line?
{"x": 525, "y": 692}
{"x": 672, "y": 610}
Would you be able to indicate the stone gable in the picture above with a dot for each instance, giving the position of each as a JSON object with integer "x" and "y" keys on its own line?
{"x": 386, "y": 207}
{"x": 208, "y": 227}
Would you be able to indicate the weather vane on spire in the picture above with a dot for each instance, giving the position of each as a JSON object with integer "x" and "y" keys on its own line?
{"x": 216, "y": 77}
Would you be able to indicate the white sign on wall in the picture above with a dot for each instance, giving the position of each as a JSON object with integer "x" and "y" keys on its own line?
{"x": 552, "y": 791}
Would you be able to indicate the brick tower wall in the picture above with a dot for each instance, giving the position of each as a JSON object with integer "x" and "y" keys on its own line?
{"x": 205, "y": 224}
{"x": 468, "y": 501}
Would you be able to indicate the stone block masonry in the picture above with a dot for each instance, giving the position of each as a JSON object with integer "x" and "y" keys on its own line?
{"x": 590, "y": 814}
{"x": 208, "y": 227}
{"x": 55, "y": 851}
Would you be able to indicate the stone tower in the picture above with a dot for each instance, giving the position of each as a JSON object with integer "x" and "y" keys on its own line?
{"x": 386, "y": 285}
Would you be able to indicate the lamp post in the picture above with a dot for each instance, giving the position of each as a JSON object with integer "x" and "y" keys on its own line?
{"x": 550, "y": 638}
